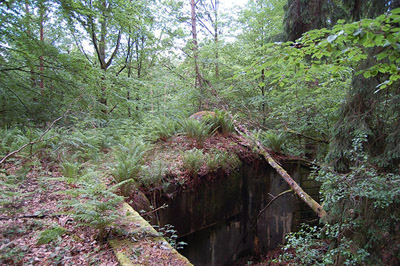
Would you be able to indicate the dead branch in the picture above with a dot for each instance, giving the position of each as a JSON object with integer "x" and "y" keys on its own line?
{"x": 33, "y": 216}
{"x": 256, "y": 219}
{"x": 155, "y": 210}
{"x": 315, "y": 206}
{"x": 271, "y": 201}
{"x": 40, "y": 139}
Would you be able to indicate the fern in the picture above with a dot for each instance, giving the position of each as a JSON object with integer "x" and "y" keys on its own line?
{"x": 193, "y": 160}
{"x": 164, "y": 128}
{"x": 220, "y": 121}
{"x": 51, "y": 234}
{"x": 92, "y": 204}
{"x": 70, "y": 170}
{"x": 222, "y": 160}
{"x": 154, "y": 174}
{"x": 196, "y": 130}
{"x": 273, "y": 140}
{"x": 129, "y": 163}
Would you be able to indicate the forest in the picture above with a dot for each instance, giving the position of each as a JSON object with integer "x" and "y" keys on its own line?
{"x": 111, "y": 101}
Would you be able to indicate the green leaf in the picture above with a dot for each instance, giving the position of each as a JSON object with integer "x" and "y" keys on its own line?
{"x": 367, "y": 74}
{"x": 391, "y": 38}
{"x": 382, "y": 55}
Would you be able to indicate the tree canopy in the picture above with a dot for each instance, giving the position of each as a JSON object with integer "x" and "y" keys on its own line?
{"x": 314, "y": 79}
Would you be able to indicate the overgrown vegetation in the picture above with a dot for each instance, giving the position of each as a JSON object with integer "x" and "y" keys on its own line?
{"x": 129, "y": 164}
{"x": 323, "y": 85}
{"x": 196, "y": 130}
{"x": 220, "y": 121}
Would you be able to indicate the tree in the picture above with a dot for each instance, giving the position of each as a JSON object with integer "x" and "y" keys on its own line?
{"x": 35, "y": 74}
{"x": 209, "y": 19}
{"x": 262, "y": 23}
{"x": 302, "y": 16}
{"x": 103, "y": 23}
{"x": 198, "y": 78}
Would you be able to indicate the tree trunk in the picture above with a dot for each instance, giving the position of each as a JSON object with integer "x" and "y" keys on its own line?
{"x": 198, "y": 81}
{"x": 41, "y": 65}
{"x": 216, "y": 4}
{"x": 315, "y": 206}
{"x": 100, "y": 48}
{"x": 263, "y": 95}
{"x": 28, "y": 32}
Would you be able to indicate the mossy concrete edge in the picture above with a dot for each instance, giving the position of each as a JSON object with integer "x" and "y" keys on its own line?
{"x": 120, "y": 246}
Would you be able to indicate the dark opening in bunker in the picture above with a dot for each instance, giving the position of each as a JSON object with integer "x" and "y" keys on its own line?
{"x": 224, "y": 220}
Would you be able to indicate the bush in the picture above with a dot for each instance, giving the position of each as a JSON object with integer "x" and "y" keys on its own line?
{"x": 362, "y": 226}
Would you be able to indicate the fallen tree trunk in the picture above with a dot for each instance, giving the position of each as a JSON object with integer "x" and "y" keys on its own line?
{"x": 315, "y": 206}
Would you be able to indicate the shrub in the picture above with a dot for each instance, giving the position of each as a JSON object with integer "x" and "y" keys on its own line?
{"x": 362, "y": 226}
{"x": 193, "y": 160}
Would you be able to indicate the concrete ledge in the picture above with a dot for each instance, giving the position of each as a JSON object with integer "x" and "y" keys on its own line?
{"x": 144, "y": 246}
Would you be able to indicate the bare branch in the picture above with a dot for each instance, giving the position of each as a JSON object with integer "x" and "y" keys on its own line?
{"x": 115, "y": 50}
{"x": 40, "y": 139}
{"x": 205, "y": 26}
{"x": 315, "y": 206}
{"x": 258, "y": 216}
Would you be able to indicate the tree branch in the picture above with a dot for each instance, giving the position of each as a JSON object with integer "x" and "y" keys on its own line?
{"x": 94, "y": 41}
{"x": 205, "y": 26}
{"x": 33, "y": 142}
{"x": 315, "y": 206}
{"x": 256, "y": 219}
{"x": 115, "y": 50}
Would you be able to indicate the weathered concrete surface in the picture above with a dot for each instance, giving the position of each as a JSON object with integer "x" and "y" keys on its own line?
{"x": 144, "y": 246}
{"x": 218, "y": 220}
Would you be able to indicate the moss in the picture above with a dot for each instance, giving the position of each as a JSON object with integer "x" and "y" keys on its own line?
{"x": 123, "y": 248}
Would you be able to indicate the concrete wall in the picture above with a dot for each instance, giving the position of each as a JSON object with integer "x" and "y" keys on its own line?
{"x": 219, "y": 219}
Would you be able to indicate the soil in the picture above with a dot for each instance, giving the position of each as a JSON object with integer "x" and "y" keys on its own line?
{"x": 36, "y": 207}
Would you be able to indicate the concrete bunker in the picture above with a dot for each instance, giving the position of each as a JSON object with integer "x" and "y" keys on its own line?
{"x": 222, "y": 220}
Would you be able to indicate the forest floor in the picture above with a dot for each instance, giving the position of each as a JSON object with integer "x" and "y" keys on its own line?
{"x": 34, "y": 215}
{"x": 36, "y": 229}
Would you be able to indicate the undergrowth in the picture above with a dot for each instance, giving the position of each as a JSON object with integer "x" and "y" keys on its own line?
{"x": 358, "y": 230}
{"x": 129, "y": 160}
{"x": 196, "y": 130}
{"x": 193, "y": 160}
